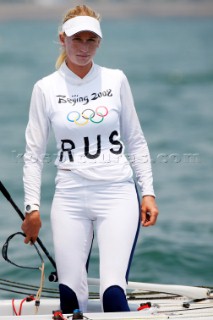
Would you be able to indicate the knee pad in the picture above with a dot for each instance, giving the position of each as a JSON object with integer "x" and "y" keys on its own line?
{"x": 68, "y": 299}
{"x": 114, "y": 299}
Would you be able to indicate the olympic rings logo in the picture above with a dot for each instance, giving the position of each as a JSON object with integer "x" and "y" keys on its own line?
{"x": 96, "y": 116}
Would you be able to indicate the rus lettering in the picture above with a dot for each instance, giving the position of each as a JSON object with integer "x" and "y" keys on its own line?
{"x": 68, "y": 145}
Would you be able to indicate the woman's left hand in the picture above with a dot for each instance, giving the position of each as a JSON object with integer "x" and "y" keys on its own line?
{"x": 149, "y": 211}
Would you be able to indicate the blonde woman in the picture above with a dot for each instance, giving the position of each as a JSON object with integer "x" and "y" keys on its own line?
{"x": 98, "y": 135}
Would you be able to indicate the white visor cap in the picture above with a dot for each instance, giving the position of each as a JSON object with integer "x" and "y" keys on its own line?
{"x": 82, "y": 23}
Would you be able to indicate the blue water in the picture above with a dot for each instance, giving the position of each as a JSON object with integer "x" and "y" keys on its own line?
{"x": 169, "y": 64}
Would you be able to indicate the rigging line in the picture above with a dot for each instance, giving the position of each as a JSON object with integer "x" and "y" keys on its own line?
{"x": 33, "y": 289}
{"x": 155, "y": 295}
{"x": 9, "y": 198}
{"x": 29, "y": 293}
{"x": 56, "y": 296}
{"x": 5, "y": 250}
{"x": 152, "y": 298}
{"x": 26, "y": 286}
{"x": 9, "y": 282}
{"x": 39, "y": 292}
{"x": 184, "y": 310}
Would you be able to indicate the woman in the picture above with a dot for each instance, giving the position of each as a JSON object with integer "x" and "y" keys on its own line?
{"x": 98, "y": 135}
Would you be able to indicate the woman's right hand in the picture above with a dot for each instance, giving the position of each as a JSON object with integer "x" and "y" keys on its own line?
{"x": 31, "y": 226}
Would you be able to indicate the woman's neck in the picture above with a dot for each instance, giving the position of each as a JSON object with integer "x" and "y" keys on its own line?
{"x": 80, "y": 71}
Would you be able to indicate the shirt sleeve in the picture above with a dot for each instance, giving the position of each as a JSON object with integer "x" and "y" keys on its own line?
{"x": 37, "y": 133}
{"x": 136, "y": 148}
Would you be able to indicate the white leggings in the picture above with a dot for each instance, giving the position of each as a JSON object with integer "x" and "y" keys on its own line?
{"x": 112, "y": 209}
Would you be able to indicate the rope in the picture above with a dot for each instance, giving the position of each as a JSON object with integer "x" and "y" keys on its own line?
{"x": 6, "y": 247}
{"x": 58, "y": 315}
{"x": 18, "y": 313}
{"x": 39, "y": 292}
{"x": 14, "y": 284}
{"x": 31, "y": 297}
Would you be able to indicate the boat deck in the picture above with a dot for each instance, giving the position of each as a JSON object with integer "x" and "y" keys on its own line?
{"x": 163, "y": 306}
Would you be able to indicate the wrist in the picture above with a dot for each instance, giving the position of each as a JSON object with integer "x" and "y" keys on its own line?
{"x": 30, "y": 208}
{"x": 148, "y": 195}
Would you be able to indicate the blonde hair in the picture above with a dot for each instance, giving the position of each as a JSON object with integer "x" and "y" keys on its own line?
{"x": 82, "y": 10}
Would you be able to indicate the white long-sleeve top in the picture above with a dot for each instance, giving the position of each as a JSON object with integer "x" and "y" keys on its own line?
{"x": 97, "y": 131}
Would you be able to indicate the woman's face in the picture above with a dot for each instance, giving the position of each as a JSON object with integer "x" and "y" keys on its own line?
{"x": 80, "y": 48}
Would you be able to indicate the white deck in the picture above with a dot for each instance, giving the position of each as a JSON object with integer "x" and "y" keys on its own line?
{"x": 167, "y": 308}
